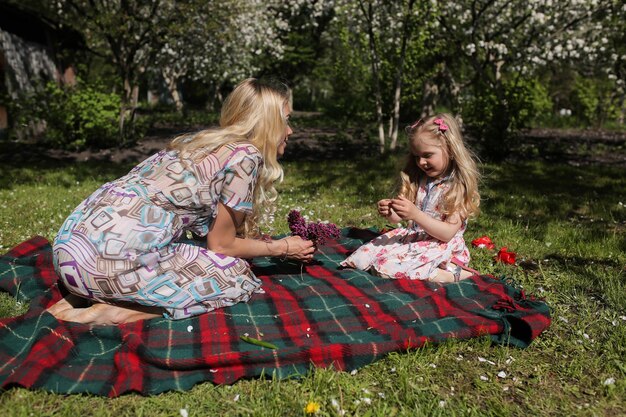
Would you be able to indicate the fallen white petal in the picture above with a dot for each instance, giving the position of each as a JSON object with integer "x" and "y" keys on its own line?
{"x": 184, "y": 413}
{"x": 189, "y": 328}
{"x": 609, "y": 381}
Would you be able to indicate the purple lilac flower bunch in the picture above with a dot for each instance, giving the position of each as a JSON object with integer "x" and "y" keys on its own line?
{"x": 317, "y": 232}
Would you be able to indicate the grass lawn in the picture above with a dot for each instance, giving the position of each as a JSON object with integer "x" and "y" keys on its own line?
{"x": 566, "y": 224}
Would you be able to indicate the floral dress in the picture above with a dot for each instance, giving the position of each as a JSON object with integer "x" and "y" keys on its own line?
{"x": 121, "y": 245}
{"x": 409, "y": 252}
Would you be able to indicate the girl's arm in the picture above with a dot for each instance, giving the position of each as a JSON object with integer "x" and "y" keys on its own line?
{"x": 222, "y": 238}
{"x": 385, "y": 210}
{"x": 442, "y": 230}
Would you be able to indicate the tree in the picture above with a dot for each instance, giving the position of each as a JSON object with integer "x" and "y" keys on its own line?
{"x": 390, "y": 28}
{"x": 126, "y": 32}
{"x": 496, "y": 45}
{"x": 216, "y": 42}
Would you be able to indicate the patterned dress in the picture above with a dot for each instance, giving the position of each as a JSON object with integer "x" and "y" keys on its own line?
{"x": 409, "y": 252}
{"x": 121, "y": 245}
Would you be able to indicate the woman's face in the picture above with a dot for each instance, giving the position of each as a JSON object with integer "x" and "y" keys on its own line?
{"x": 283, "y": 144}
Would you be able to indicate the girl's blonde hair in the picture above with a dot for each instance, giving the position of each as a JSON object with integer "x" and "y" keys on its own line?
{"x": 463, "y": 196}
{"x": 253, "y": 113}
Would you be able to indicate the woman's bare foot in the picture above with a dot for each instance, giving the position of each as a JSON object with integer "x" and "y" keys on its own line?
{"x": 68, "y": 302}
{"x": 103, "y": 314}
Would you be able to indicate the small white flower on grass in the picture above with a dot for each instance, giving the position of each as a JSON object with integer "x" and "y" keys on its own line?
{"x": 432, "y": 365}
{"x": 501, "y": 374}
{"x": 484, "y": 378}
{"x": 614, "y": 322}
{"x": 337, "y": 407}
{"x": 183, "y": 412}
{"x": 505, "y": 388}
{"x": 563, "y": 319}
{"x": 586, "y": 336}
{"x": 393, "y": 369}
{"x": 480, "y": 359}
{"x": 609, "y": 381}
{"x": 381, "y": 395}
{"x": 365, "y": 391}
{"x": 189, "y": 328}
{"x": 353, "y": 372}
{"x": 236, "y": 398}
{"x": 366, "y": 400}
{"x": 623, "y": 317}
{"x": 442, "y": 403}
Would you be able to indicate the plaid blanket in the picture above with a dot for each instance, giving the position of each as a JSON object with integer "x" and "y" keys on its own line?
{"x": 317, "y": 315}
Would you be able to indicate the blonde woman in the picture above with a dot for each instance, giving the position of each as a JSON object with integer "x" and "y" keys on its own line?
{"x": 439, "y": 192}
{"x": 119, "y": 251}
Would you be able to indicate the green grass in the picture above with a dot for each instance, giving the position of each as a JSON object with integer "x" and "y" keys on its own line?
{"x": 566, "y": 224}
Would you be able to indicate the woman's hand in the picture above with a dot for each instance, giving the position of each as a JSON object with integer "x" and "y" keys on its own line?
{"x": 298, "y": 249}
{"x": 404, "y": 208}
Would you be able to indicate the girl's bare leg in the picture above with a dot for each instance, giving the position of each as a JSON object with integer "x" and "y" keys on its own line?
{"x": 447, "y": 276}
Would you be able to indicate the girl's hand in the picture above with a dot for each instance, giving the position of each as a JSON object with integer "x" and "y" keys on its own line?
{"x": 404, "y": 208}
{"x": 298, "y": 249}
{"x": 383, "y": 207}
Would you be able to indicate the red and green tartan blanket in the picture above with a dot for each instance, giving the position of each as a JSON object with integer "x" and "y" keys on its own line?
{"x": 320, "y": 315}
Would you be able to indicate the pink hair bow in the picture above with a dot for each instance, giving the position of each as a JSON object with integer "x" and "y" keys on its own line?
{"x": 441, "y": 124}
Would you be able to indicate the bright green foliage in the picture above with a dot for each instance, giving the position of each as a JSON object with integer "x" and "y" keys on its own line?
{"x": 81, "y": 117}
{"x": 75, "y": 117}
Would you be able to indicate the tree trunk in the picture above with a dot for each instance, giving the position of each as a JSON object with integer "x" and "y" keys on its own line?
{"x": 406, "y": 33}
{"x": 171, "y": 81}
{"x": 375, "y": 75}
{"x": 430, "y": 97}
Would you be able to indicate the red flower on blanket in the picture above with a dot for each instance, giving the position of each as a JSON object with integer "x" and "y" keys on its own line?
{"x": 505, "y": 256}
{"x": 317, "y": 232}
{"x": 483, "y": 242}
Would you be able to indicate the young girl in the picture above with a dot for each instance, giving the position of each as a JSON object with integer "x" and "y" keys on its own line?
{"x": 439, "y": 192}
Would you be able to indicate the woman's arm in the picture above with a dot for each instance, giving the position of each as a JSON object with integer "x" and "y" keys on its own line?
{"x": 442, "y": 230}
{"x": 222, "y": 238}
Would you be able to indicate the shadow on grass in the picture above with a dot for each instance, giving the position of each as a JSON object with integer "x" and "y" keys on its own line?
{"x": 547, "y": 192}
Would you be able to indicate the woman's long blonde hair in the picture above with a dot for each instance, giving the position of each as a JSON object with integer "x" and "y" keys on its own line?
{"x": 463, "y": 196}
{"x": 253, "y": 113}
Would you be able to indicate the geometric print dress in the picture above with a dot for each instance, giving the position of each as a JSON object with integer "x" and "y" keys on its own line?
{"x": 410, "y": 252}
{"x": 121, "y": 245}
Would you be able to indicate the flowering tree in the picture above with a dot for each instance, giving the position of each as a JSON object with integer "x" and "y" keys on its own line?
{"x": 216, "y": 41}
{"x": 394, "y": 30}
{"x": 502, "y": 42}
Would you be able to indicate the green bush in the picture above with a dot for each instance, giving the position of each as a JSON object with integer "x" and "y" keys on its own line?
{"x": 495, "y": 115}
{"x": 81, "y": 116}
{"x": 77, "y": 117}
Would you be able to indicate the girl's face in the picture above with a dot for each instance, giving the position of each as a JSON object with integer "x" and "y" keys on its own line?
{"x": 283, "y": 144}
{"x": 430, "y": 157}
